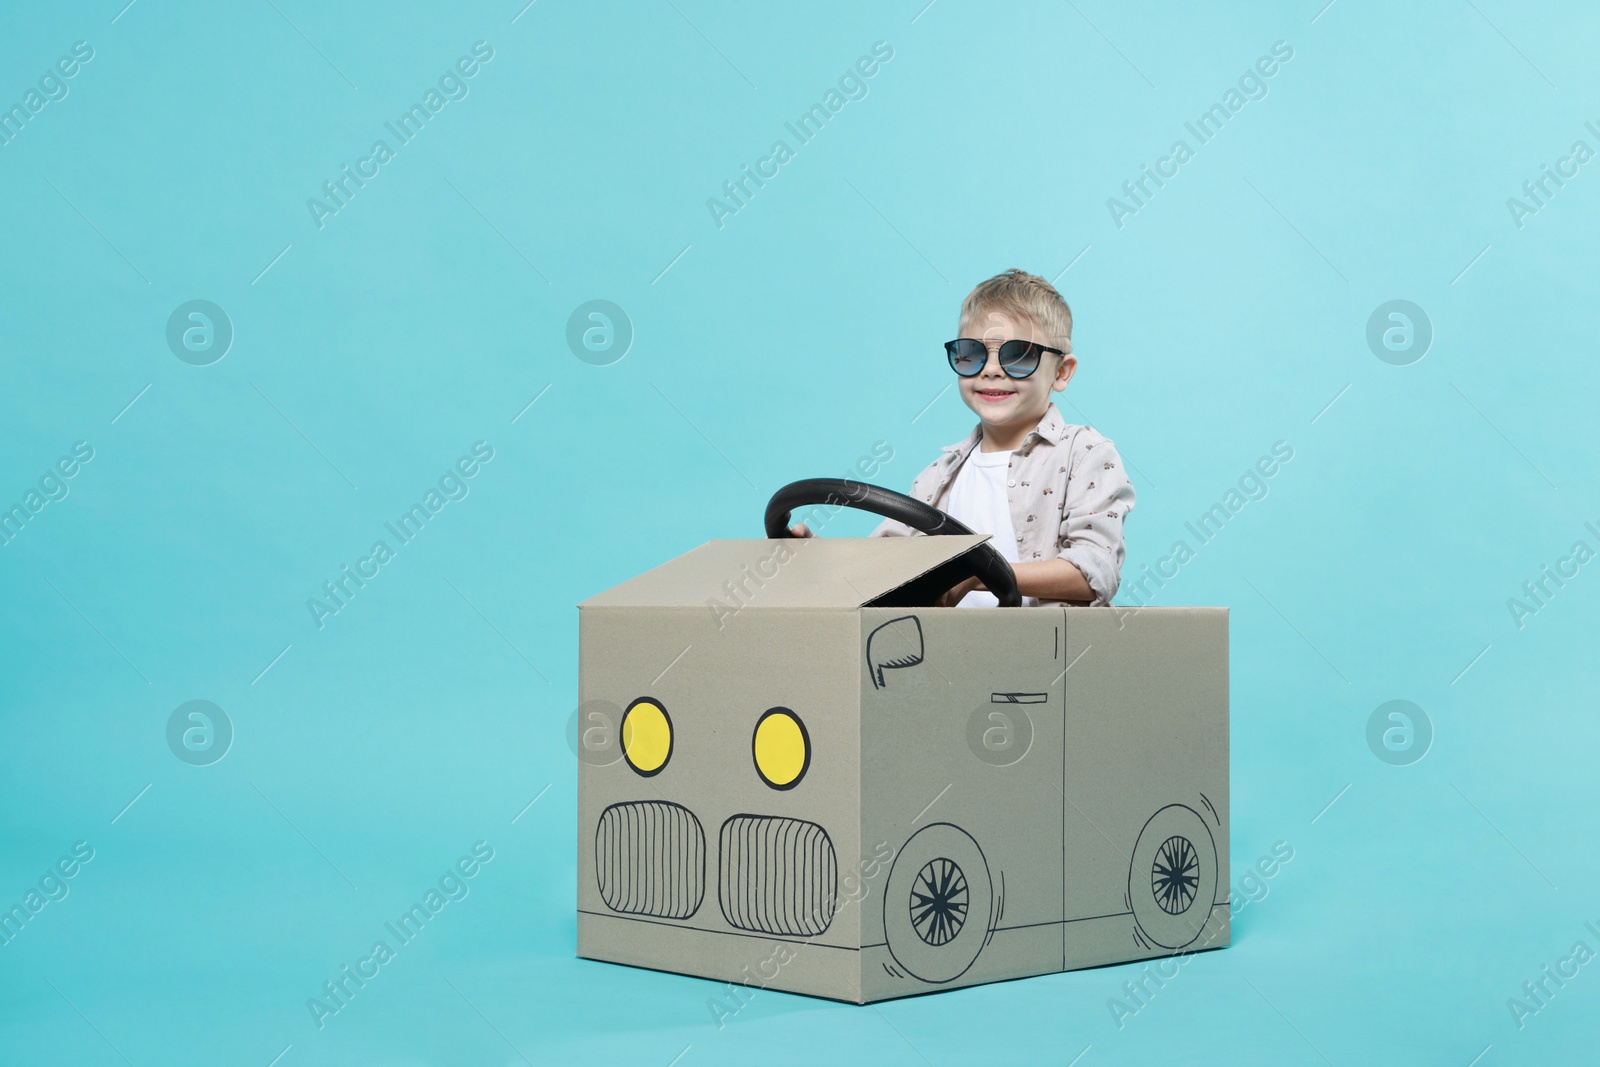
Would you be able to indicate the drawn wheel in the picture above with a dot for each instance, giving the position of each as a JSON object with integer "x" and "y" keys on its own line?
{"x": 939, "y": 901}
{"x": 1172, "y": 882}
{"x": 1175, "y": 874}
{"x": 937, "y": 904}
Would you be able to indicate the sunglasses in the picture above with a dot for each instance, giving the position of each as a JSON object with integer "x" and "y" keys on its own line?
{"x": 1018, "y": 359}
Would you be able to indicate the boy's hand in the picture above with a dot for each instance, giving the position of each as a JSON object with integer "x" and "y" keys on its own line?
{"x": 953, "y": 597}
{"x": 799, "y": 530}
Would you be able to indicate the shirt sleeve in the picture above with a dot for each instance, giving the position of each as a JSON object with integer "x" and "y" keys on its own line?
{"x": 1098, "y": 499}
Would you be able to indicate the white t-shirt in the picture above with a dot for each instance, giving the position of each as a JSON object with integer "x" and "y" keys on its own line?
{"x": 978, "y": 498}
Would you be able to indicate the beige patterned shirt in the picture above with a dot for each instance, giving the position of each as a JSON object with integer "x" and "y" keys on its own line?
{"x": 1068, "y": 494}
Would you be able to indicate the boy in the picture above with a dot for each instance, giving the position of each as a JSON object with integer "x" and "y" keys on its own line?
{"x": 1053, "y": 495}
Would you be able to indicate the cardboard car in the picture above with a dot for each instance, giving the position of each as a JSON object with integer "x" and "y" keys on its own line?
{"x": 796, "y": 773}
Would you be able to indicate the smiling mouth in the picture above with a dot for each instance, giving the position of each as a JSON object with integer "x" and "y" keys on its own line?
{"x": 994, "y": 395}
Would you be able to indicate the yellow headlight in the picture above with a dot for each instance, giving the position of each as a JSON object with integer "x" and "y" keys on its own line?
{"x": 782, "y": 748}
{"x": 646, "y": 736}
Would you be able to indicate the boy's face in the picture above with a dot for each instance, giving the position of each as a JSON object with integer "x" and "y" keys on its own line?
{"x": 1011, "y": 405}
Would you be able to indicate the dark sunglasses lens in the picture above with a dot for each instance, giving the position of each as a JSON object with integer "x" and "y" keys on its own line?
{"x": 967, "y": 356}
{"x": 1020, "y": 358}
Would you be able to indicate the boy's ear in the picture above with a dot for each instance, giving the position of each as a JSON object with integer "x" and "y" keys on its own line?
{"x": 1069, "y": 364}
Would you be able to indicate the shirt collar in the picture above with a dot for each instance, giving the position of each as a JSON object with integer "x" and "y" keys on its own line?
{"x": 1051, "y": 428}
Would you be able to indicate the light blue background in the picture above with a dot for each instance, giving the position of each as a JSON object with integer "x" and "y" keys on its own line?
{"x": 1223, "y": 317}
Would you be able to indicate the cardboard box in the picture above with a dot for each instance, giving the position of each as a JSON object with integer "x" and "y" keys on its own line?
{"x": 794, "y": 778}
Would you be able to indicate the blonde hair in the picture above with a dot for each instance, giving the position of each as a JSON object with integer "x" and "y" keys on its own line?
{"x": 1019, "y": 294}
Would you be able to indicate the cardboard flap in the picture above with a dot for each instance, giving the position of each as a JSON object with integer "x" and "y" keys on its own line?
{"x": 815, "y": 572}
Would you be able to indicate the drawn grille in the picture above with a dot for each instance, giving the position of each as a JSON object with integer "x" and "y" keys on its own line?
{"x": 650, "y": 859}
{"x": 777, "y": 876}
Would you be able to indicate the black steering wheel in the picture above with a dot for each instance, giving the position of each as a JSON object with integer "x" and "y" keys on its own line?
{"x": 983, "y": 562}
